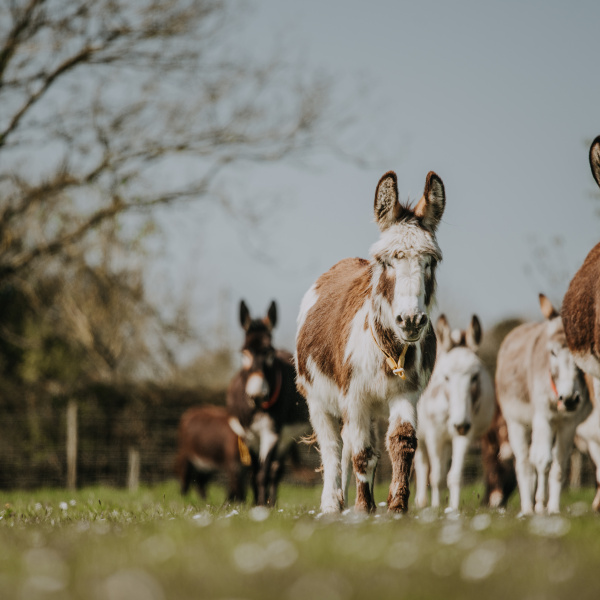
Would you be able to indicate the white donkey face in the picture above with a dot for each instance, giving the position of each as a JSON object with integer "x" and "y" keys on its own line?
{"x": 459, "y": 372}
{"x": 404, "y": 290}
{"x": 406, "y": 255}
{"x": 565, "y": 377}
{"x": 566, "y": 381}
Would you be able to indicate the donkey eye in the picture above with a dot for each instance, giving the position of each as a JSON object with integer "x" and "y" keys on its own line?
{"x": 475, "y": 378}
{"x": 553, "y": 352}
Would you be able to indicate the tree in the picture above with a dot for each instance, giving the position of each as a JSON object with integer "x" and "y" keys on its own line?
{"x": 112, "y": 109}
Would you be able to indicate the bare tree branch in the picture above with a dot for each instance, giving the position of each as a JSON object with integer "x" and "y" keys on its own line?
{"x": 112, "y": 111}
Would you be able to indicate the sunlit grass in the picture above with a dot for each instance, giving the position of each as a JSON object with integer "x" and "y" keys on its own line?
{"x": 153, "y": 544}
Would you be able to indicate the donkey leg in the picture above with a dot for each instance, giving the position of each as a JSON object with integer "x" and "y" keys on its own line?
{"x": 202, "y": 480}
{"x": 421, "y": 474}
{"x": 401, "y": 442}
{"x": 235, "y": 491}
{"x": 438, "y": 456}
{"x": 265, "y": 473}
{"x": 361, "y": 436}
{"x": 540, "y": 456}
{"x": 460, "y": 445}
{"x": 254, "y": 468}
{"x": 375, "y": 445}
{"x": 346, "y": 463}
{"x": 327, "y": 429}
{"x": 594, "y": 450}
{"x": 277, "y": 470}
{"x": 269, "y": 438}
{"x": 187, "y": 474}
{"x": 563, "y": 446}
{"x": 519, "y": 441}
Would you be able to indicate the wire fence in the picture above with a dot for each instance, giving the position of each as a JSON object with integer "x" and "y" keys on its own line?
{"x": 116, "y": 426}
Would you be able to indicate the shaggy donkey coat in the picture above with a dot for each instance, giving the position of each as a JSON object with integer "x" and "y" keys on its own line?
{"x": 581, "y": 318}
{"x": 455, "y": 410}
{"x": 363, "y": 326}
{"x": 543, "y": 397}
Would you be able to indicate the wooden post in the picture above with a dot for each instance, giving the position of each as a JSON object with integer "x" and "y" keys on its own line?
{"x": 133, "y": 473}
{"x": 72, "y": 444}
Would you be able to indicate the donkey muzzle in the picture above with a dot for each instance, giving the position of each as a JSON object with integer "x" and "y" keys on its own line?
{"x": 570, "y": 403}
{"x": 412, "y": 326}
{"x": 462, "y": 428}
{"x": 257, "y": 387}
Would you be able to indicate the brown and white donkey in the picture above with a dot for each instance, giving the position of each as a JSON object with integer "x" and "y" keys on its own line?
{"x": 365, "y": 346}
{"x": 581, "y": 318}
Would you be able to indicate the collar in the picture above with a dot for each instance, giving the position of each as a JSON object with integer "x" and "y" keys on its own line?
{"x": 275, "y": 395}
{"x": 554, "y": 390}
{"x": 396, "y": 366}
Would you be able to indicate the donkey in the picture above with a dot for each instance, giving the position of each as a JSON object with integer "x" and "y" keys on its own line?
{"x": 365, "y": 345}
{"x": 543, "y": 397}
{"x": 581, "y": 318}
{"x": 455, "y": 410}
{"x": 498, "y": 463}
{"x": 206, "y": 445}
{"x": 267, "y": 410}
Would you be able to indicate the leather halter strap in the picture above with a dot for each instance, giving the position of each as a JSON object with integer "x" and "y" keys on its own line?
{"x": 559, "y": 402}
{"x": 396, "y": 366}
{"x": 275, "y": 395}
{"x": 552, "y": 384}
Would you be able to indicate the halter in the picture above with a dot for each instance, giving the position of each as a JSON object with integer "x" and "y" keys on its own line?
{"x": 553, "y": 387}
{"x": 275, "y": 396}
{"x": 396, "y": 366}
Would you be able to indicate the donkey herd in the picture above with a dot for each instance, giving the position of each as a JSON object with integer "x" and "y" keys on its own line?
{"x": 366, "y": 350}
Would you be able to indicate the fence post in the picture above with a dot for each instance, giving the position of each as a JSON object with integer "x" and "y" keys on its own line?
{"x": 133, "y": 472}
{"x": 576, "y": 468}
{"x": 71, "y": 445}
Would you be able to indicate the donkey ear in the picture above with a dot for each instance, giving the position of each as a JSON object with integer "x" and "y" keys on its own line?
{"x": 547, "y": 309}
{"x": 473, "y": 334}
{"x": 595, "y": 159}
{"x": 443, "y": 332}
{"x": 387, "y": 207}
{"x": 431, "y": 206}
{"x": 271, "y": 318}
{"x": 244, "y": 316}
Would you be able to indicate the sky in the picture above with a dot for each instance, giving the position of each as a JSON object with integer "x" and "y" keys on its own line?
{"x": 500, "y": 99}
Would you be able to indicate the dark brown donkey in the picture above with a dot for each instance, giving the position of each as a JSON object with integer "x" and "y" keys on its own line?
{"x": 581, "y": 318}
{"x": 269, "y": 413}
{"x": 498, "y": 463}
{"x": 207, "y": 445}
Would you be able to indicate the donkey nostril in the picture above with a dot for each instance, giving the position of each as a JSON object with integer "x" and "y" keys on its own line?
{"x": 423, "y": 320}
{"x": 399, "y": 320}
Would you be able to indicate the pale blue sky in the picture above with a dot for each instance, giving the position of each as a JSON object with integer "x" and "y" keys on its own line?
{"x": 498, "y": 98}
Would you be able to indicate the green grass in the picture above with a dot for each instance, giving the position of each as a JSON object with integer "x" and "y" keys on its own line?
{"x": 103, "y": 543}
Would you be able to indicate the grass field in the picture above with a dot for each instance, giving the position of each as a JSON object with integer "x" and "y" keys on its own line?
{"x": 102, "y": 543}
